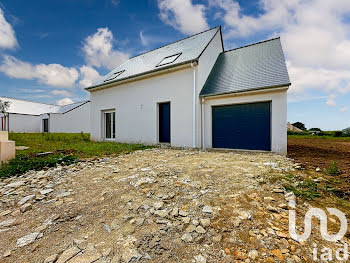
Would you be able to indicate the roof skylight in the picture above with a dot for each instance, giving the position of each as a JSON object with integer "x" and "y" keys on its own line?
{"x": 168, "y": 60}
{"x": 114, "y": 76}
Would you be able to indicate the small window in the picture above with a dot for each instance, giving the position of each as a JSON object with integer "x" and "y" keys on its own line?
{"x": 114, "y": 76}
{"x": 169, "y": 60}
{"x": 109, "y": 125}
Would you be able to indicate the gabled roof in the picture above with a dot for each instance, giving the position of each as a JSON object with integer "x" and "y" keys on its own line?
{"x": 257, "y": 66}
{"x": 19, "y": 106}
{"x": 188, "y": 49}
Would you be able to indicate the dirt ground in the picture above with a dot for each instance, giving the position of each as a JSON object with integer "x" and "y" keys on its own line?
{"x": 317, "y": 152}
{"x": 156, "y": 205}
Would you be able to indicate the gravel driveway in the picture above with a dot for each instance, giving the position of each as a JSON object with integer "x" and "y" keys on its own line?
{"x": 156, "y": 205}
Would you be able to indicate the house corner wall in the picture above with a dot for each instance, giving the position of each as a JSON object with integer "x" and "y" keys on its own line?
{"x": 205, "y": 65}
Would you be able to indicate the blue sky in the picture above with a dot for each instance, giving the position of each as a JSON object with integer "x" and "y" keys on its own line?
{"x": 50, "y": 50}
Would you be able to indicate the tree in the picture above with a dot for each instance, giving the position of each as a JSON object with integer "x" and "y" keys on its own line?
{"x": 346, "y": 131}
{"x": 4, "y": 106}
{"x": 299, "y": 125}
{"x": 315, "y": 130}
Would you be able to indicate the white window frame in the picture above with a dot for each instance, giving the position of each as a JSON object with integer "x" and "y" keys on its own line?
{"x": 175, "y": 57}
{"x": 104, "y": 126}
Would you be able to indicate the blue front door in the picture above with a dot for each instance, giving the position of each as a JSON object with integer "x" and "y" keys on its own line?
{"x": 164, "y": 122}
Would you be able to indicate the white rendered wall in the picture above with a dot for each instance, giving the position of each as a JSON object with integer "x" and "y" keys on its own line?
{"x": 136, "y": 108}
{"x": 205, "y": 65}
{"x": 24, "y": 123}
{"x": 278, "y": 115}
{"x": 75, "y": 121}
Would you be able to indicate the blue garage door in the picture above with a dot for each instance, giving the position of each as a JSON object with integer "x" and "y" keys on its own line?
{"x": 242, "y": 126}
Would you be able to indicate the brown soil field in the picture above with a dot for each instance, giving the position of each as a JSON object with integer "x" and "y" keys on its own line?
{"x": 318, "y": 152}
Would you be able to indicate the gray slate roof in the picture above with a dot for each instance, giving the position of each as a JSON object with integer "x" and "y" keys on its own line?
{"x": 257, "y": 66}
{"x": 190, "y": 49}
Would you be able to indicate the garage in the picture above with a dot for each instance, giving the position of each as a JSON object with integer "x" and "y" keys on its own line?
{"x": 242, "y": 126}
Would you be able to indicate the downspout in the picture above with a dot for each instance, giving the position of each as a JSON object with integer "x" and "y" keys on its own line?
{"x": 194, "y": 106}
{"x": 203, "y": 125}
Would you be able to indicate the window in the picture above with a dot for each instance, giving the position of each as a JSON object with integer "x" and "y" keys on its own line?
{"x": 45, "y": 125}
{"x": 114, "y": 76}
{"x": 109, "y": 125}
{"x": 169, "y": 60}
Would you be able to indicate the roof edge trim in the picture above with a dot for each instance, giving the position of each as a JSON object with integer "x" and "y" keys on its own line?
{"x": 248, "y": 90}
{"x": 104, "y": 85}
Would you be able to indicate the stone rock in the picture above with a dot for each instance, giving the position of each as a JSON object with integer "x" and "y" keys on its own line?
{"x": 239, "y": 255}
{"x": 128, "y": 229}
{"x": 158, "y": 205}
{"x": 5, "y": 213}
{"x": 8, "y": 222}
{"x": 253, "y": 254}
{"x": 115, "y": 224}
{"x": 273, "y": 209}
{"x": 89, "y": 256}
{"x": 68, "y": 254}
{"x": 278, "y": 254}
{"x": 63, "y": 194}
{"x": 26, "y": 199}
{"x": 183, "y": 213}
{"x": 161, "y": 213}
{"x": 244, "y": 215}
{"x": 200, "y": 259}
{"x": 7, "y": 253}
{"x": 107, "y": 228}
{"x": 130, "y": 254}
{"x": 46, "y": 191}
{"x": 195, "y": 222}
{"x": 26, "y": 207}
{"x": 175, "y": 211}
{"x": 190, "y": 229}
{"x": 205, "y": 222}
{"x": 207, "y": 209}
{"x": 16, "y": 184}
{"x": 26, "y": 240}
{"x": 187, "y": 237}
{"x": 139, "y": 221}
{"x": 200, "y": 230}
{"x": 186, "y": 220}
{"x": 217, "y": 238}
{"x": 51, "y": 259}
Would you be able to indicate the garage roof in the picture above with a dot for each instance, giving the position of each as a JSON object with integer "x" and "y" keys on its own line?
{"x": 19, "y": 106}
{"x": 257, "y": 66}
{"x": 177, "y": 53}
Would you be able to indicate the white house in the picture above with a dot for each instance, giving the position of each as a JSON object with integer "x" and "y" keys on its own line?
{"x": 28, "y": 116}
{"x": 192, "y": 93}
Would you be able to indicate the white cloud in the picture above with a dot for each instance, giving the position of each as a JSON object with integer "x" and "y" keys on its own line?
{"x": 63, "y": 93}
{"x": 144, "y": 40}
{"x": 88, "y": 76}
{"x": 344, "y": 109}
{"x": 99, "y": 52}
{"x": 184, "y": 16}
{"x": 331, "y": 100}
{"x": 7, "y": 34}
{"x": 314, "y": 34}
{"x": 52, "y": 74}
{"x": 64, "y": 101}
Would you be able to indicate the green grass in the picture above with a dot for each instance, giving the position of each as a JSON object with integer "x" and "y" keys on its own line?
{"x": 325, "y": 137}
{"x": 76, "y": 144}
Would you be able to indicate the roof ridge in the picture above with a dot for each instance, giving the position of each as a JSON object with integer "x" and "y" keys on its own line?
{"x": 253, "y": 44}
{"x": 28, "y": 101}
{"x": 173, "y": 43}
{"x": 83, "y": 101}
